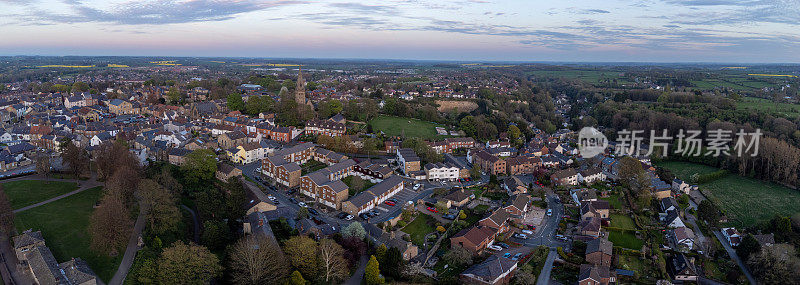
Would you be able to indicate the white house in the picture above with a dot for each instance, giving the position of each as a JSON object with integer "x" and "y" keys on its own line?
{"x": 732, "y": 236}
{"x": 591, "y": 175}
{"x": 441, "y": 171}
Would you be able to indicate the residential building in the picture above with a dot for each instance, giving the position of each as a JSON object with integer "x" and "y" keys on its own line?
{"x": 591, "y": 175}
{"x": 284, "y": 172}
{"x": 732, "y": 236}
{"x": 489, "y": 163}
{"x": 522, "y": 165}
{"x": 409, "y": 160}
{"x": 325, "y": 127}
{"x": 325, "y": 185}
{"x": 599, "y": 251}
{"x": 373, "y": 196}
{"x": 441, "y": 171}
{"x": 566, "y": 177}
{"x": 495, "y": 270}
{"x": 595, "y": 275}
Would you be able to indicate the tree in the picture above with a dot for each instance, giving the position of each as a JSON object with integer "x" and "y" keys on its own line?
{"x": 123, "y": 183}
{"x": 776, "y": 264}
{"x": 392, "y": 263}
{"x": 80, "y": 86}
{"x": 187, "y": 264}
{"x": 255, "y": 259}
{"x": 302, "y": 213}
{"x": 297, "y": 278}
{"x": 110, "y": 226}
{"x": 6, "y": 214}
{"x": 215, "y": 234}
{"x": 43, "y": 164}
{"x": 302, "y": 252}
{"x": 235, "y": 198}
{"x": 354, "y": 229}
{"x": 162, "y": 213}
{"x": 175, "y": 95}
{"x": 475, "y": 172}
{"x": 76, "y": 159}
{"x": 253, "y": 105}
{"x": 380, "y": 252}
{"x": 235, "y": 102}
{"x": 200, "y": 165}
{"x": 524, "y": 278}
{"x": 747, "y": 247}
{"x": 332, "y": 262}
{"x": 458, "y": 256}
{"x": 708, "y": 212}
{"x": 373, "y": 272}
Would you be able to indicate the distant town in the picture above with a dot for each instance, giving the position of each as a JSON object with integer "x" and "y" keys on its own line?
{"x": 145, "y": 170}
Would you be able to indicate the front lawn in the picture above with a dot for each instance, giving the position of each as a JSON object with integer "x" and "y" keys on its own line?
{"x": 419, "y": 227}
{"x": 64, "y": 225}
{"x": 630, "y": 262}
{"x": 23, "y": 193}
{"x": 614, "y": 200}
{"x": 626, "y": 239}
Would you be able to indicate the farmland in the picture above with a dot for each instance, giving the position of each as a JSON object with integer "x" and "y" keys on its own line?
{"x": 587, "y": 75}
{"x": 764, "y": 105}
{"x": 746, "y": 201}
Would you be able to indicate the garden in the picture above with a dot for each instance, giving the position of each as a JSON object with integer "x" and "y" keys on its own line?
{"x": 23, "y": 193}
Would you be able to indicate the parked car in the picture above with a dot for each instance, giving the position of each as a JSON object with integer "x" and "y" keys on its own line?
{"x": 449, "y": 217}
{"x": 549, "y": 212}
{"x": 341, "y": 215}
{"x": 432, "y": 209}
{"x": 293, "y": 200}
{"x": 364, "y": 216}
{"x": 507, "y": 255}
{"x": 393, "y": 200}
{"x": 521, "y": 236}
{"x": 313, "y": 211}
{"x": 494, "y": 247}
{"x": 527, "y": 232}
{"x": 517, "y": 256}
{"x": 302, "y": 204}
{"x": 502, "y": 244}
{"x": 416, "y": 186}
{"x": 561, "y": 237}
{"x": 349, "y": 217}
{"x": 390, "y": 203}
{"x": 272, "y": 198}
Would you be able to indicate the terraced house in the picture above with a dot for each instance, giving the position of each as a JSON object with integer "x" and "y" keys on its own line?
{"x": 373, "y": 196}
{"x": 325, "y": 185}
{"x": 327, "y": 127}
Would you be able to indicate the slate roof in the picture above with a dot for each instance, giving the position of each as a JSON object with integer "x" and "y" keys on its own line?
{"x": 492, "y": 268}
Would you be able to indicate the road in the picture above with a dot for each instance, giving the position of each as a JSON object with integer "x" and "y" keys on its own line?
{"x": 735, "y": 257}
{"x": 358, "y": 276}
{"x": 195, "y": 221}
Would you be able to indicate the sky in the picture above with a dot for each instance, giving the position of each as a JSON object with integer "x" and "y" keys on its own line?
{"x": 746, "y": 31}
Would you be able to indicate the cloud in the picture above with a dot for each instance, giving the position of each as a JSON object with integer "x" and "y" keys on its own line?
{"x": 162, "y": 11}
{"x": 595, "y": 11}
{"x": 358, "y": 7}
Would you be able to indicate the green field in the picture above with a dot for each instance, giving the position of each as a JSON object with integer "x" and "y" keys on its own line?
{"x": 64, "y": 225}
{"x": 396, "y": 126}
{"x": 589, "y": 76}
{"x": 614, "y": 200}
{"x": 746, "y": 201}
{"x": 765, "y": 105}
{"x": 27, "y": 192}
{"x": 419, "y": 227}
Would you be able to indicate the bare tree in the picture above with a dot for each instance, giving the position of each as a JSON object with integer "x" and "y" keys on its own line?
{"x": 75, "y": 158}
{"x": 332, "y": 263}
{"x": 110, "y": 225}
{"x": 255, "y": 259}
{"x": 43, "y": 164}
{"x": 163, "y": 214}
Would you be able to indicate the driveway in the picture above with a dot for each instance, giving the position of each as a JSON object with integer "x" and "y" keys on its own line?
{"x": 735, "y": 257}
{"x": 544, "y": 276}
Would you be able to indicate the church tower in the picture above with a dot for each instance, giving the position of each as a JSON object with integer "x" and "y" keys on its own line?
{"x": 300, "y": 90}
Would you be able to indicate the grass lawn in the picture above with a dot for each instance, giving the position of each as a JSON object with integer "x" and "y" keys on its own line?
{"x": 685, "y": 170}
{"x": 614, "y": 201}
{"x": 64, "y": 225}
{"x": 625, "y": 239}
{"x": 746, "y": 201}
{"x": 352, "y": 191}
{"x": 622, "y": 221}
{"x": 311, "y": 166}
{"x": 630, "y": 262}
{"x": 419, "y": 227}
{"x": 396, "y": 126}
{"x": 27, "y": 192}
